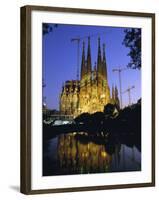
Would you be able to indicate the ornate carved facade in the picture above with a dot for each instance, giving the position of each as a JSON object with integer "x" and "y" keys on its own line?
{"x": 92, "y": 92}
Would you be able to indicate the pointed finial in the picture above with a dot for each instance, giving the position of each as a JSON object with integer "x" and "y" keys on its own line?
{"x": 83, "y": 52}
{"x": 99, "y": 50}
{"x": 116, "y": 91}
{"x": 83, "y": 45}
{"x": 88, "y": 44}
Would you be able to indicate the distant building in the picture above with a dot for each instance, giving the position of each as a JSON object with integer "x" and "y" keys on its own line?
{"x": 91, "y": 93}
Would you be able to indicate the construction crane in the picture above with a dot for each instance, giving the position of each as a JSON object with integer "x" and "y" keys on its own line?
{"x": 119, "y": 70}
{"x": 129, "y": 93}
{"x": 78, "y": 40}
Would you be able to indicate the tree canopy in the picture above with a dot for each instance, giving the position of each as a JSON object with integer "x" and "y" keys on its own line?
{"x": 47, "y": 28}
{"x": 132, "y": 40}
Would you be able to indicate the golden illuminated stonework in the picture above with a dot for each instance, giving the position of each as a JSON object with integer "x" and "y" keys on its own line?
{"x": 91, "y": 93}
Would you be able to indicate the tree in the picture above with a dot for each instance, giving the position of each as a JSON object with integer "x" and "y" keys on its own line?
{"x": 109, "y": 109}
{"x": 84, "y": 117}
{"x": 47, "y": 28}
{"x": 132, "y": 40}
{"x": 97, "y": 118}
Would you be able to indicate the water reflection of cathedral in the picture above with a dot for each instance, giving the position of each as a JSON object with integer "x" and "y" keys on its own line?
{"x": 92, "y": 92}
{"x": 77, "y": 157}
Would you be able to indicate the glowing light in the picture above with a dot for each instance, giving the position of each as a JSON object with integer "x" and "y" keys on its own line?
{"x": 103, "y": 154}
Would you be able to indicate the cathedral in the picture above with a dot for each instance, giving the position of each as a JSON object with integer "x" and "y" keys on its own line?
{"x": 92, "y": 92}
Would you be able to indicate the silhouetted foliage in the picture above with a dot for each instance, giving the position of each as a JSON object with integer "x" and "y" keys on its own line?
{"x": 131, "y": 118}
{"x": 109, "y": 110}
{"x": 47, "y": 28}
{"x": 84, "y": 117}
{"x": 97, "y": 117}
{"x": 132, "y": 40}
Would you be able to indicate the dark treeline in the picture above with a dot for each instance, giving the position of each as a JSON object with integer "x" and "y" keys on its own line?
{"x": 109, "y": 123}
{"x": 114, "y": 125}
{"x": 113, "y": 120}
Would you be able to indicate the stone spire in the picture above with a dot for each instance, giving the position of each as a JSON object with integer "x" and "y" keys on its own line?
{"x": 99, "y": 59}
{"x": 116, "y": 97}
{"x": 104, "y": 63}
{"x": 89, "y": 64}
{"x": 83, "y": 65}
{"x": 116, "y": 92}
{"x": 113, "y": 93}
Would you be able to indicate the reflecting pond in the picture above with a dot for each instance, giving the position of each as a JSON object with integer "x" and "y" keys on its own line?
{"x": 77, "y": 153}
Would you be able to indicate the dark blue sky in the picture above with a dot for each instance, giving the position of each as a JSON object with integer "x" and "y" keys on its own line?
{"x": 60, "y": 59}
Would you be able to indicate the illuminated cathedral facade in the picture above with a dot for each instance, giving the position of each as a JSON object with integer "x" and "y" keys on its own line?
{"x": 92, "y": 92}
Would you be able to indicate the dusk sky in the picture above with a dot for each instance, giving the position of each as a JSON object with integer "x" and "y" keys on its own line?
{"x": 60, "y": 59}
